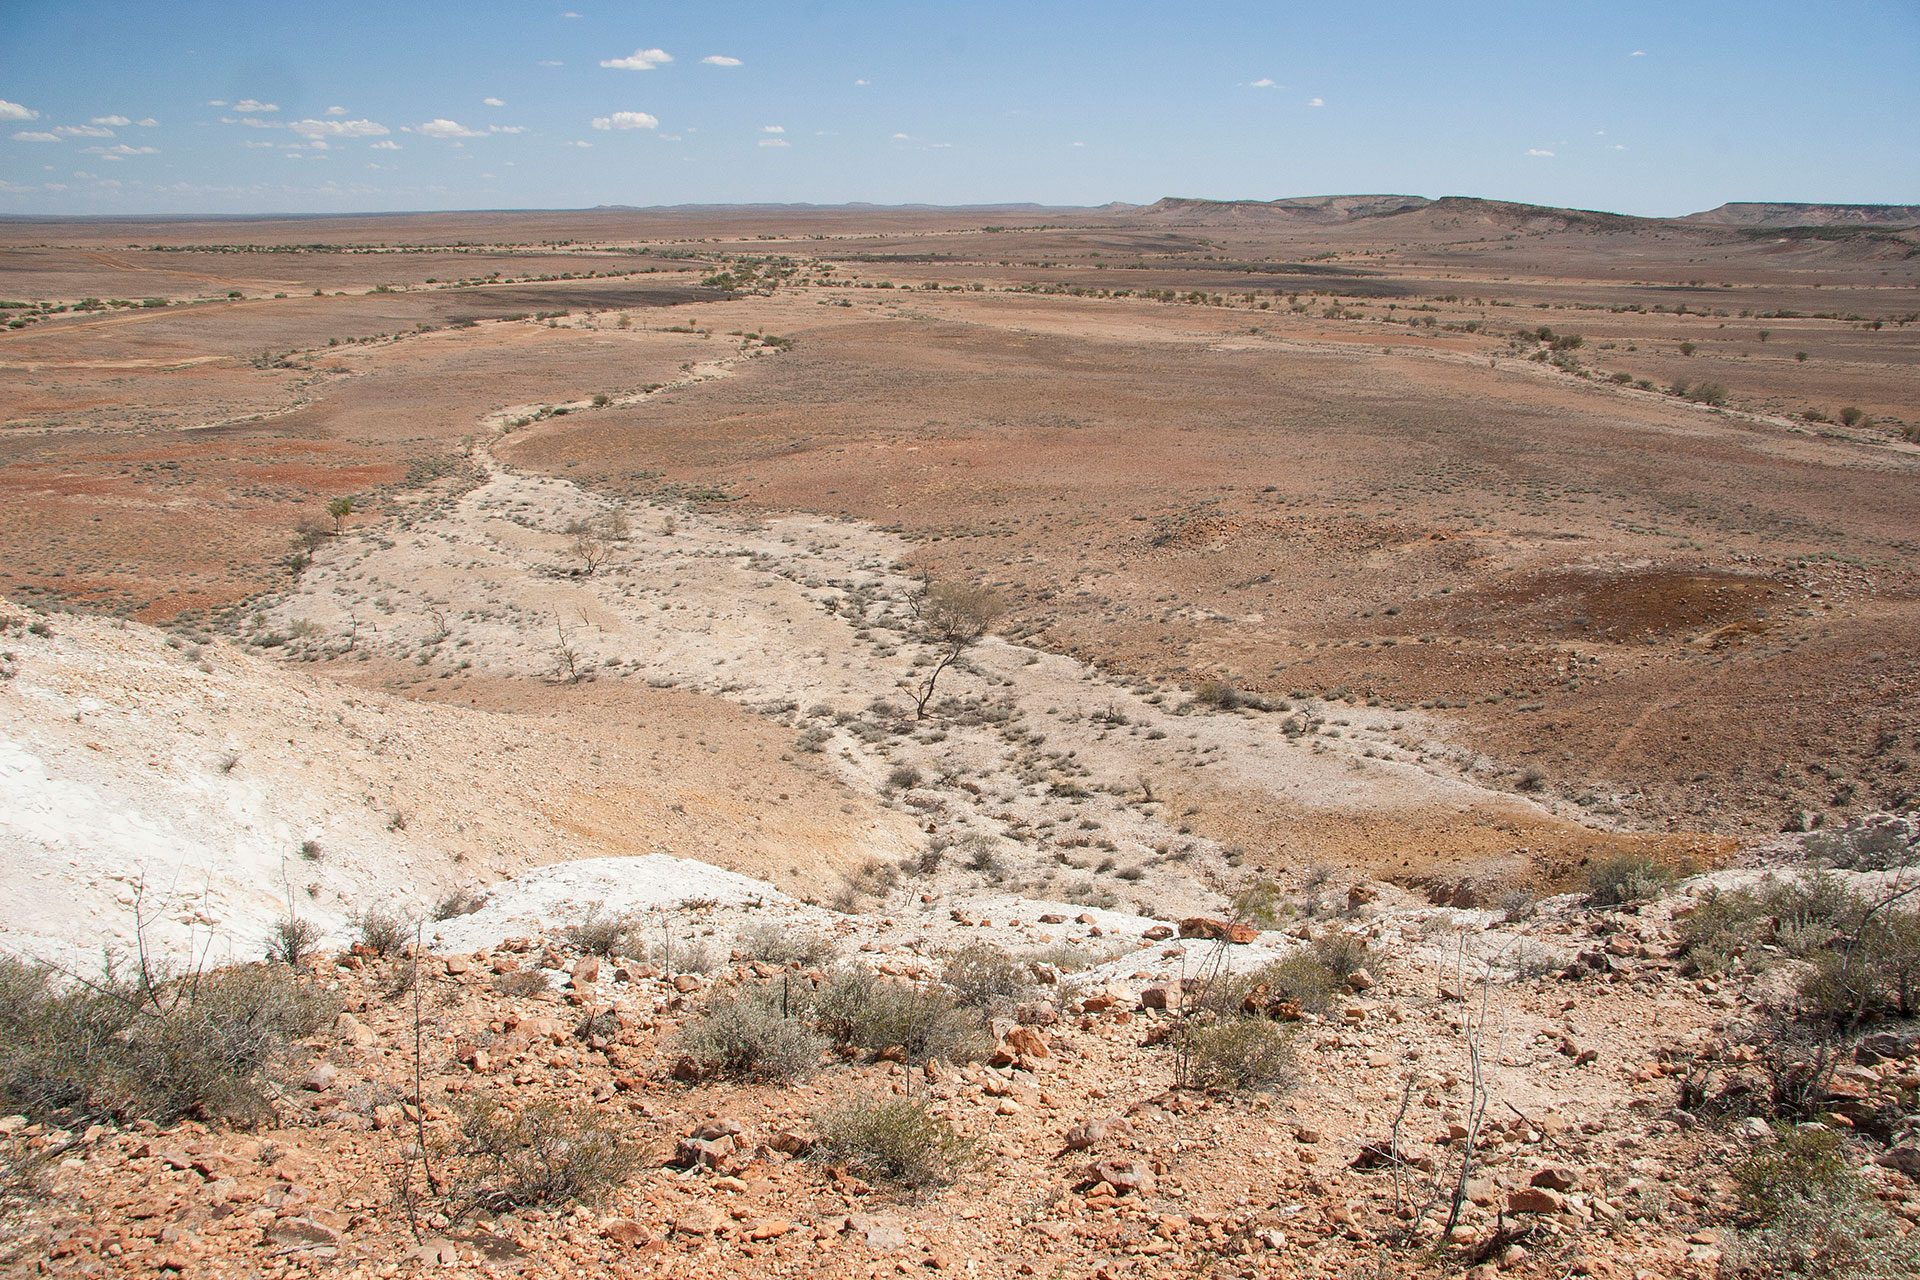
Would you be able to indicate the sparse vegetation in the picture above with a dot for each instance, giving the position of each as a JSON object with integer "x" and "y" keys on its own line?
{"x": 897, "y": 1140}
{"x": 291, "y": 940}
{"x": 773, "y": 943}
{"x": 1628, "y": 877}
{"x": 540, "y": 1155}
{"x": 383, "y": 930}
{"x": 1236, "y": 1052}
{"x": 601, "y": 934}
{"x": 463, "y": 901}
{"x": 982, "y": 976}
{"x": 130, "y": 1048}
{"x": 1810, "y": 1215}
{"x": 860, "y": 1009}
{"x": 747, "y": 1037}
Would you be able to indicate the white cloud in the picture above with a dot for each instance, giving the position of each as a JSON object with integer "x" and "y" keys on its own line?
{"x": 1536, "y": 151}
{"x": 1616, "y": 146}
{"x": 1638, "y": 53}
{"x": 14, "y": 111}
{"x": 120, "y": 150}
{"x": 388, "y": 145}
{"x": 858, "y": 83}
{"x": 639, "y": 60}
{"x": 550, "y": 62}
{"x": 775, "y": 142}
{"x": 1316, "y": 102}
{"x": 247, "y": 106}
{"x": 336, "y": 111}
{"x": 569, "y": 14}
{"x": 83, "y": 131}
{"x": 588, "y": 145}
{"x": 721, "y": 60}
{"x": 35, "y": 135}
{"x": 506, "y": 128}
{"x": 1079, "y": 144}
{"x": 148, "y": 123}
{"x": 120, "y": 122}
{"x": 443, "y": 128}
{"x": 315, "y": 130}
{"x": 492, "y": 102}
{"x": 216, "y": 102}
{"x": 772, "y": 128}
{"x": 1265, "y": 82}
{"x": 626, "y": 120}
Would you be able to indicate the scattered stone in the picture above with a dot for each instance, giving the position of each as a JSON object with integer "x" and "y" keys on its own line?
{"x": 1534, "y": 1200}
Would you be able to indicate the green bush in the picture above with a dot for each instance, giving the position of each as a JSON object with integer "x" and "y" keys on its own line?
{"x": 746, "y": 1038}
{"x": 896, "y": 1140}
{"x": 1810, "y": 1215}
{"x": 1871, "y": 970}
{"x": 545, "y": 1155}
{"x": 1236, "y": 1053}
{"x": 1300, "y": 977}
{"x": 1866, "y": 958}
{"x": 1628, "y": 877}
{"x": 202, "y": 1046}
{"x": 859, "y": 1009}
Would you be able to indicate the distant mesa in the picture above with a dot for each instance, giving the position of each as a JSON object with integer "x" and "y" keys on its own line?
{"x": 1766, "y": 214}
{"x": 1304, "y": 209}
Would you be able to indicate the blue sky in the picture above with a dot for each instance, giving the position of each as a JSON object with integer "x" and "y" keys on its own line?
{"x": 191, "y": 106}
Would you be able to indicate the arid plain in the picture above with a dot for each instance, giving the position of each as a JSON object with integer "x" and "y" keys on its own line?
{"x": 1300, "y": 451}
{"x": 1389, "y": 564}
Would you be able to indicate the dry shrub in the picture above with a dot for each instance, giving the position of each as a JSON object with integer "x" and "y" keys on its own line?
{"x": 545, "y": 1154}
{"x": 746, "y": 1038}
{"x": 203, "y": 1045}
{"x": 773, "y": 943}
{"x": 982, "y": 976}
{"x": 1865, "y": 950}
{"x": 383, "y": 930}
{"x": 459, "y": 902}
{"x": 521, "y": 983}
{"x": 1236, "y": 1053}
{"x": 1810, "y": 1215}
{"x": 897, "y": 1140}
{"x": 1626, "y": 878}
{"x": 292, "y": 940}
{"x": 859, "y": 1009}
{"x": 600, "y": 934}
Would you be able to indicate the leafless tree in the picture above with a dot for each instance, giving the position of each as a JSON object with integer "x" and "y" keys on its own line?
{"x": 568, "y": 661}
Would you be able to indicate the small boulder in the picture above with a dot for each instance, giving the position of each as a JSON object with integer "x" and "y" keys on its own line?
{"x": 627, "y": 1232}
{"x": 1534, "y": 1200}
{"x": 1123, "y": 1176}
{"x": 699, "y": 1220}
{"x": 1555, "y": 1178}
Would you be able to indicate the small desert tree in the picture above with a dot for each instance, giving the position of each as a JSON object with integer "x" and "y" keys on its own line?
{"x": 953, "y": 616}
{"x": 340, "y": 509}
{"x": 590, "y": 549}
